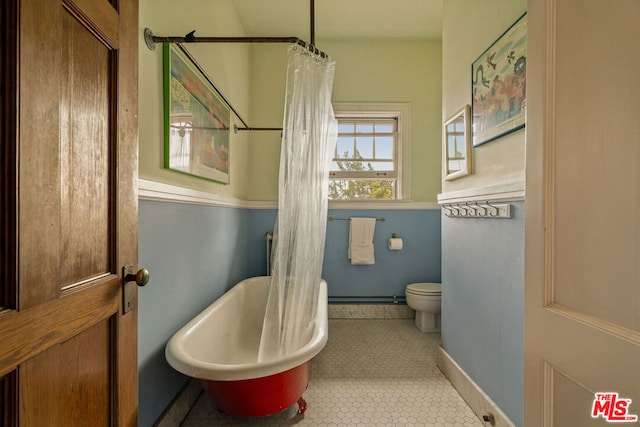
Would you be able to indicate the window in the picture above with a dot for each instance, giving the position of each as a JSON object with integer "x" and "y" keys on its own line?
{"x": 367, "y": 162}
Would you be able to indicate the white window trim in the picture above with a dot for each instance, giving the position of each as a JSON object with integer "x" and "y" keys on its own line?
{"x": 403, "y": 113}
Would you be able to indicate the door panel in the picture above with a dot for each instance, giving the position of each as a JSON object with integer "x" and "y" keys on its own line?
{"x": 582, "y": 239}
{"x": 596, "y": 238}
{"x": 572, "y": 398}
{"x": 8, "y": 407}
{"x": 8, "y": 144}
{"x": 57, "y": 390}
{"x": 67, "y": 185}
{"x": 39, "y": 161}
{"x": 67, "y": 350}
{"x": 86, "y": 147}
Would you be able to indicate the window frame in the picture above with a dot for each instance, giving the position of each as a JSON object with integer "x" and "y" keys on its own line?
{"x": 401, "y": 113}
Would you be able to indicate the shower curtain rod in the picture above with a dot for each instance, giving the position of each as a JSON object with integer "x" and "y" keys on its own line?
{"x": 148, "y": 34}
{"x": 152, "y": 39}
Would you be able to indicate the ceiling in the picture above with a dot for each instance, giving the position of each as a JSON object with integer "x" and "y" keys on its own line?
{"x": 342, "y": 19}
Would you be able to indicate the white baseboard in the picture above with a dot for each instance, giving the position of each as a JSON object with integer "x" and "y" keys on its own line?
{"x": 477, "y": 399}
{"x": 178, "y": 409}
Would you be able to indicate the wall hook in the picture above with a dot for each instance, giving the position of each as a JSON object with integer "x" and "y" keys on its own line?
{"x": 493, "y": 212}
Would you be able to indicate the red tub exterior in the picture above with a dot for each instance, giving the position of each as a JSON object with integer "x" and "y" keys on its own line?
{"x": 259, "y": 397}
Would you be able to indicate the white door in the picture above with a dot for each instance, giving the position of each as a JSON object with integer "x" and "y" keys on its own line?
{"x": 582, "y": 268}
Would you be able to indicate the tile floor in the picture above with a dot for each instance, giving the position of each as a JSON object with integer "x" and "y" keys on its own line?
{"x": 374, "y": 372}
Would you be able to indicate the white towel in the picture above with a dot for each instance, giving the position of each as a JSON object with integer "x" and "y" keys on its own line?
{"x": 361, "y": 241}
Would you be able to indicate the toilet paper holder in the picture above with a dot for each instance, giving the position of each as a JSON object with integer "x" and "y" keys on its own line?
{"x": 395, "y": 242}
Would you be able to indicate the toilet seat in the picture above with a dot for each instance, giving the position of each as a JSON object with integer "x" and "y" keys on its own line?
{"x": 424, "y": 289}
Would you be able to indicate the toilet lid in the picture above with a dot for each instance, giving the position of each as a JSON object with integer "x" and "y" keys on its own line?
{"x": 425, "y": 288}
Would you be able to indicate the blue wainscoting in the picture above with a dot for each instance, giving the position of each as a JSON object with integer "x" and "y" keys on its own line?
{"x": 483, "y": 302}
{"x": 194, "y": 254}
{"x": 261, "y": 221}
{"x": 419, "y": 261}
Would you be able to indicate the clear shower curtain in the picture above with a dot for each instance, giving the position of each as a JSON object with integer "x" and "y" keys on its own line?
{"x": 308, "y": 142}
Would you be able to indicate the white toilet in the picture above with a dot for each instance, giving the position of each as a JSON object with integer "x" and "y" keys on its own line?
{"x": 425, "y": 298}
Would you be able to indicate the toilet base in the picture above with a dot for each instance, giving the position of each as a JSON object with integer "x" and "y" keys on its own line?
{"x": 427, "y": 322}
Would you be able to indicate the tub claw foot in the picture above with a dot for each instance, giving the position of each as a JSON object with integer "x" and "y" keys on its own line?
{"x": 302, "y": 405}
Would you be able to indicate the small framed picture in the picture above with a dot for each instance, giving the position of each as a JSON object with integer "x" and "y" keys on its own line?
{"x": 456, "y": 149}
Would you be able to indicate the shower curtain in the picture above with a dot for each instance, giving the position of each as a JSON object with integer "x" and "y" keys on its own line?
{"x": 308, "y": 142}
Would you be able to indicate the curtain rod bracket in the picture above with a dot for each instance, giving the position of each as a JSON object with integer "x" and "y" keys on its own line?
{"x": 148, "y": 39}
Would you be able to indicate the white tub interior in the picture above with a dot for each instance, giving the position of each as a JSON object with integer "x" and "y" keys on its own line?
{"x": 236, "y": 321}
{"x": 222, "y": 342}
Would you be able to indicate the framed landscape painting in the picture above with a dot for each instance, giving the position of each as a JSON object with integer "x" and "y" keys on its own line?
{"x": 498, "y": 86}
{"x": 196, "y": 119}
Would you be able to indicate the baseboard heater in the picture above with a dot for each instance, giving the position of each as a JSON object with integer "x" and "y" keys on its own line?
{"x": 367, "y": 299}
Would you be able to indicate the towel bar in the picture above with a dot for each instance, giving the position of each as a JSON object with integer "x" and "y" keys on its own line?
{"x": 347, "y": 219}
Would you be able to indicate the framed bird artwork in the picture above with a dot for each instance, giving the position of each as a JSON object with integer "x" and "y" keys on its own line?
{"x": 498, "y": 86}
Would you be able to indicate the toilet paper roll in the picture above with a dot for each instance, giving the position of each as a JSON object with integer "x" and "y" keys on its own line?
{"x": 395, "y": 244}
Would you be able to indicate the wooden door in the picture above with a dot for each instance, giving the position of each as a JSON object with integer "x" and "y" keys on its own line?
{"x": 582, "y": 271}
{"x": 69, "y": 212}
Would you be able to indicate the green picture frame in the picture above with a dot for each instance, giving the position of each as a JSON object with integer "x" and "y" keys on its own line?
{"x": 196, "y": 119}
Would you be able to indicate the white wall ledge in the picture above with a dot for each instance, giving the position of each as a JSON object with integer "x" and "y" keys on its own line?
{"x": 158, "y": 191}
{"x": 510, "y": 191}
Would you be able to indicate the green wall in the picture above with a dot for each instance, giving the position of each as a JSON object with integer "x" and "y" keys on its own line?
{"x": 253, "y": 78}
{"x": 227, "y": 65}
{"x": 468, "y": 28}
{"x": 366, "y": 71}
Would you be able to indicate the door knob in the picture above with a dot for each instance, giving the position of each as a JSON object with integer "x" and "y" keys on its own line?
{"x": 141, "y": 277}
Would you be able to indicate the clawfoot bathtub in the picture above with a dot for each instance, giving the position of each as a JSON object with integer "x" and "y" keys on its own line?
{"x": 220, "y": 347}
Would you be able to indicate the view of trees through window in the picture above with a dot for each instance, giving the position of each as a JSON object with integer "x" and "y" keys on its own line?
{"x": 361, "y": 188}
{"x": 365, "y": 164}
